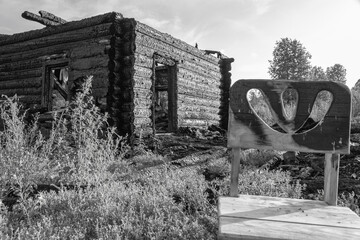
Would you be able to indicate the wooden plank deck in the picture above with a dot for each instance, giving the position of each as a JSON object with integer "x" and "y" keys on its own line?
{"x": 260, "y": 217}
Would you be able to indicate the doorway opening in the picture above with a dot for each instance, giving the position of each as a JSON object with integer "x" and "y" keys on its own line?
{"x": 164, "y": 97}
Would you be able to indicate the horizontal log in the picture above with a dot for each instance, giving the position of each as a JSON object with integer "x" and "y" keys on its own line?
{"x": 143, "y": 72}
{"x": 195, "y": 123}
{"x": 142, "y": 121}
{"x": 23, "y": 65}
{"x": 188, "y": 100}
{"x": 58, "y": 38}
{"x": 22, "y": 83}
{"x": 33, "y": 17}
{"x": 142, "y": 82}
{"x": 143, "y": 101}
{"x": 75, "y": 47}
{"x": 70, "y": 26}
{"x": 34, "y": 99}
{"x": 143, "y": 130}
{"x": 195, "y": 108}
{"x": 100, "y": 61}
{"x": 179, "y": 55}
{"x": 191, "y": 85}
{"x": 197, "y": 93}
{"x": 142, "y": 112}
{"x": 90, "y": 49}
{"x": 188, "y": 73}
{"x": 99, "y": 74}
{"x": 21, "y": 74}
{"x": 51, "y": 17}
{"x": 143, "y": 61}
{"x": 198, "y": 116}
{"x": 142, "y": 93}
{"x": 20, "y": 91}
{"x": 166, "y": 38}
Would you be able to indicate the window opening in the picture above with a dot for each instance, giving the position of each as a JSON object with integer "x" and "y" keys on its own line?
{"x": 57, "y": 87}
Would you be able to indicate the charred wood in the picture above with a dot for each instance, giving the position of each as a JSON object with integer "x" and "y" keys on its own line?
{"x": 75, "y": 25}
{"x": 59, "y": 38}
{"x": 51, "y": 17}
{"x": 78, "y": 49}
{"x": 23, "y": 83}
{"x": 36, "y": 18}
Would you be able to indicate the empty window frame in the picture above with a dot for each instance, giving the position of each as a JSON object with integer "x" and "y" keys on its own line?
{"x": 55, "y": 94}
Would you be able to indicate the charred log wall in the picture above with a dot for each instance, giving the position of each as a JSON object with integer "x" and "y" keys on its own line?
{"x": 199, "y": 79}
{"x": 84, "y": 45}
{"x": 225, "y": 66}
{"x": 123, "y": 98}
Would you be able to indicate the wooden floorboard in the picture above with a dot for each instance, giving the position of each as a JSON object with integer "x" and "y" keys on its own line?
{"x": 259, "y": 217}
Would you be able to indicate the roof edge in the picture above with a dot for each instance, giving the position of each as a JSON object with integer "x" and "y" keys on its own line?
{"x": 69, "y": 26}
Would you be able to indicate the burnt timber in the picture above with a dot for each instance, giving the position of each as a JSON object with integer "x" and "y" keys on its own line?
{"x": 140, "y": 75}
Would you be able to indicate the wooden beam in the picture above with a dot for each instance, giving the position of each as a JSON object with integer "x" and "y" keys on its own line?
{"x": 235, "y": 167}
{"x": 85, "y": 33}
{"x": 36, "y": 18}
{"x": 51, "y": 17}
{"x": 75, "y": 25}
{"x": 262, "y": 217}
{"x": 331, "y": 179}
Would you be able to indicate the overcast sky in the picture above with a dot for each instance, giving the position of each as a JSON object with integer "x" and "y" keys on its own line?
{"x": 243, "y": 29}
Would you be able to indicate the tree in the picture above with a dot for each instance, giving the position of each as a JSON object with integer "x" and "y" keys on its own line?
{"x": 291, "y": 60}
{"x": 317, "y": 74}
{"x": 336, "y": 73}
{"x": 355, "y": 94}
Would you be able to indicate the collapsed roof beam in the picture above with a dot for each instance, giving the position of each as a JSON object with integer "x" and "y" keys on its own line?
{"x": 45, "y": 21}
{"x": 52, "y": 17}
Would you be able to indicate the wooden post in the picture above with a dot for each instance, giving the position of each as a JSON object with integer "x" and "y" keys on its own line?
{"x": 235, "y": 165}
{"x": 331, "y": 178}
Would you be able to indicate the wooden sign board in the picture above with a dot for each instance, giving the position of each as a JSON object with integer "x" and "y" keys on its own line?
{"x": 330, "y": 135}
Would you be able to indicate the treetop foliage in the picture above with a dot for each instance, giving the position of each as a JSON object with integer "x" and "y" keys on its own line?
{"x": 336, "y": 73}
{"x": 290, "y": 61}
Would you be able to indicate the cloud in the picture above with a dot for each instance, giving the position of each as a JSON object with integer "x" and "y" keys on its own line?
{"x": 262, "y": 6}
{"x": 155, "y": 23}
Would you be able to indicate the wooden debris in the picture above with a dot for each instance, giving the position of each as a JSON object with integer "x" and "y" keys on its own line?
{"x": 51, "y": 17}
{"x": 36, "y": 18}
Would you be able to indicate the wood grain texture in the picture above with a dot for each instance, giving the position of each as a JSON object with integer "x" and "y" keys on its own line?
{"x": 33, "y": 17}
{"x": 69, "y": 26}
{"x": 332, "y": 135}
{"x": 259, "y": 217}
{"x": 331, "y": 178}
{"x": 235, "y": 168}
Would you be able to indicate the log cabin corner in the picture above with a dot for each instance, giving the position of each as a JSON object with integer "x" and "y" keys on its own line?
{"x": 148, "y": 81}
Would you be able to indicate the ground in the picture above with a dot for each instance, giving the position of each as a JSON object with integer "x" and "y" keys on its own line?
{"x": 196, "y": 147}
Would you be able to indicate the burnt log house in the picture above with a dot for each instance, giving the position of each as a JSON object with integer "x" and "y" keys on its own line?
{"x": 148, "y": 81}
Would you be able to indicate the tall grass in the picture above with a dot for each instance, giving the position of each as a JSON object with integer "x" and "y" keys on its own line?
{"x": 84, "y": 152}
